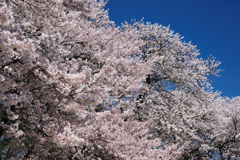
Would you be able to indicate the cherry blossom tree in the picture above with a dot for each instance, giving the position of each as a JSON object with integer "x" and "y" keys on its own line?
{"x": 65, "y": 74}
{"x": 75, "y": 86}
{"x": 180, "y": 100}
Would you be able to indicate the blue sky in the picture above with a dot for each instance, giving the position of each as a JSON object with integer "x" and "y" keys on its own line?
{"x": 212, "y": 25}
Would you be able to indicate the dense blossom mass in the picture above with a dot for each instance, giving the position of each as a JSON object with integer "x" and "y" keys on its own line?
{"x": 75, "y": 86}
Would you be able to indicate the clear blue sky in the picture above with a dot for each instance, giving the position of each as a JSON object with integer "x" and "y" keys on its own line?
{"x": 212, "y": 25}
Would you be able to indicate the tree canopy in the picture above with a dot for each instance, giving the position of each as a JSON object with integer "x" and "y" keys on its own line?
{"x": 75, "y": 86}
